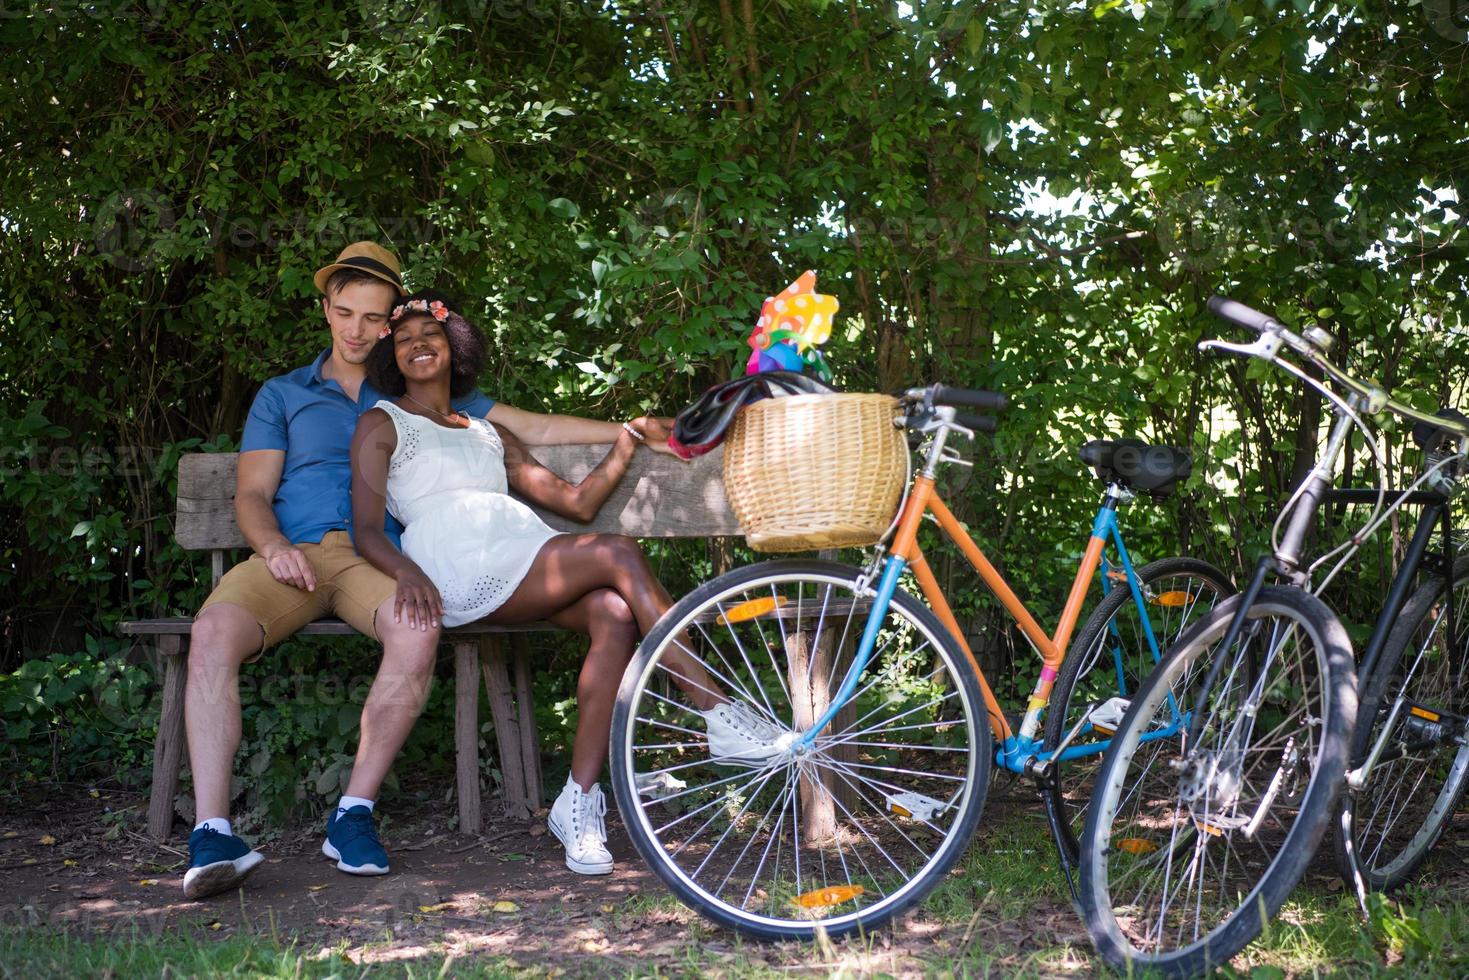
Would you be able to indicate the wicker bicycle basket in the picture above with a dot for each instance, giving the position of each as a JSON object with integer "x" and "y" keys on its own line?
{"x": 805, "y": 472}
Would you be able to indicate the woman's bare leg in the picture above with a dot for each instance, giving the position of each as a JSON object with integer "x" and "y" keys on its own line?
{"x": 569, "y": 567}
{"x": 604, "y": 616}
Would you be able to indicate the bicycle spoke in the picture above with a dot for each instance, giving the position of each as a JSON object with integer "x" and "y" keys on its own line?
{"x": 1194, "y": 828}
{"x": 803, "y": 834}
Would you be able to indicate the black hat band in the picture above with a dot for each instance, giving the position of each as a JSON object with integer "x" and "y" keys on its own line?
{"x": 372, "y": 265}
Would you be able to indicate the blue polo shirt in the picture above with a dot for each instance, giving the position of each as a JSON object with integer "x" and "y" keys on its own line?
{"x": 311, "y": 419}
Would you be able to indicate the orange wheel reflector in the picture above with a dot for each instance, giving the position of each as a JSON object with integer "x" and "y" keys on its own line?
{"x": 1424, "y": 713}
{"x": 751, "y": 610}
{"x": 1209, "y": 828}
{"x": 1136, "y": 845}
{"x": 1174, "y": 598}
{"x": 900, "y": 811}
{"x": 823, "y": 897}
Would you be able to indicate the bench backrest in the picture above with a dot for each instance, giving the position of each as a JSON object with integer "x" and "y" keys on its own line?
{"x": 660, "y": 497}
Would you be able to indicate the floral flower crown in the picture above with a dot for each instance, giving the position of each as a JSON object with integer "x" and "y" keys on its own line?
{"x": 434, "y": 308}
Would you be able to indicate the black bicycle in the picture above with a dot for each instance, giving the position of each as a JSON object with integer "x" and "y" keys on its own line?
{"x": 1193, "y": 843}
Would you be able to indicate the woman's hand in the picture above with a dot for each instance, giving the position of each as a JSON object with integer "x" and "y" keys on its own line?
{"x": 656, "y": 430}
{"x": 420, "y": 598}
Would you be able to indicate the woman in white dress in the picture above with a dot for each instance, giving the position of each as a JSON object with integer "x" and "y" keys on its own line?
{"x": 471, "y": 551}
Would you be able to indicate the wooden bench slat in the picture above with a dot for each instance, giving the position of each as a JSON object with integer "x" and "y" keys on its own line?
{"x": 660, "y": 497}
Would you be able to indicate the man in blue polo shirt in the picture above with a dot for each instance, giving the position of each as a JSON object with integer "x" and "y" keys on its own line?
{"x": 293, "y": 504}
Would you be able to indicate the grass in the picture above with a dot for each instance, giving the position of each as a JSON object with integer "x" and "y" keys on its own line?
{"x": 32, "y": 953}
{"x": 1004, "y": 912}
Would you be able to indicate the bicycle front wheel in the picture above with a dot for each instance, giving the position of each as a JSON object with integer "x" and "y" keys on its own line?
{"x": 751, "y": 826}
{"x": 1419, "y": 694}
{"x": 1114, "y": 651}
{"x": 1190, "y": 849}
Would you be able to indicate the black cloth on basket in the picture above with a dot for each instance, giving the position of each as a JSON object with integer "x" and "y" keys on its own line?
{"x": 701, "y": 426}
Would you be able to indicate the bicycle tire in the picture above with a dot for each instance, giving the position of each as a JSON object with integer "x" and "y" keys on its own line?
{"x": 1204, "y": 798}
{"x": 1364, "y": 855}
{"x": 776, "y": 906}
{"x": 1066, "y": 788}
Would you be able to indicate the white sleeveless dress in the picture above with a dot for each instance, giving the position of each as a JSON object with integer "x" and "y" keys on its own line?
{"x": 461, "y": 526}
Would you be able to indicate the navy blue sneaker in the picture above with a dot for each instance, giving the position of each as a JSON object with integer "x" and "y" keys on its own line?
{"x": 217, "y": 862}
{"x": 351, "y": 841}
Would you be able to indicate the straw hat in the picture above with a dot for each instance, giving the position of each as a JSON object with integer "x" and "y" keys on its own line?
{"x": 368, "y": 257}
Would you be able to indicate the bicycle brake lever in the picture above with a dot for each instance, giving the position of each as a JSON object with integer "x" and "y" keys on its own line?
{"x": 952, "y": 456}
{"x": 1265, "y": 348}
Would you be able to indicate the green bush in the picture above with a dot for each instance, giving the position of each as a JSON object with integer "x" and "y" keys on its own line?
{"x": 1037, "y": 198}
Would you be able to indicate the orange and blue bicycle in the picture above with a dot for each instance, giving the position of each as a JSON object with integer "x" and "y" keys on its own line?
{"x": 866, "y": 731}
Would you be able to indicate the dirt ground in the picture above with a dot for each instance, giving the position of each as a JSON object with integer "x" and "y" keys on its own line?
{"x": 505, "y": 892}
{"x": 75, "y": 859}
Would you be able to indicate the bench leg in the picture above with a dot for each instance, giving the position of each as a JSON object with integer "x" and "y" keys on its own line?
{"x": 168, "y": 747}
{"x": 508, "y": 735}
{"x": 466, "y": 736}
{"x": 530, "y": 743}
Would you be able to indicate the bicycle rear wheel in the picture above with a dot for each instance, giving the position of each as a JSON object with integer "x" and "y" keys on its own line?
{"x": 1419, "y": 691}
{"x": 1189, "y": 851}
{"x": 1114, "y": 651}
{"x": 842, "y": 835}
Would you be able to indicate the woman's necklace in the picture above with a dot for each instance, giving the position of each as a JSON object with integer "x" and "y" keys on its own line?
{"x": 457, "y": 420}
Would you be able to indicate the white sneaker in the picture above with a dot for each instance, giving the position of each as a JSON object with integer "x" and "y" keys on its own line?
{"x": 740, "y": 737}
{"x": 577, "y": 821}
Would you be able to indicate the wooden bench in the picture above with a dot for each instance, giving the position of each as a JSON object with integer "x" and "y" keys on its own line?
{"x": 660, "y": 497}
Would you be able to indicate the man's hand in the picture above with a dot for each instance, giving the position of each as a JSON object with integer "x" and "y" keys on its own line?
{"x": 420, "y": 598}
{"x": 657, "y": 430}
{"x": 289, "y": 565}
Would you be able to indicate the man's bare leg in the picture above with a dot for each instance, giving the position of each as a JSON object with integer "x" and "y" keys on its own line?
{"x": 222, "y": 638}
{"x": 395, "y": 701}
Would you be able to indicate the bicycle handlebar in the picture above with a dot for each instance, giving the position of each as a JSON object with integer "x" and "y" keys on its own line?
{"x": 1313, "y": 346}
{"x": 989, "y": 401}
{"x": 979, "y": 423}
{"x": 1240, "y": 314}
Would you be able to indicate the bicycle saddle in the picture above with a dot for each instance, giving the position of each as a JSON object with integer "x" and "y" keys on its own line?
{"x": 1153, "y": 470}
{"x": 1432, "y": 438}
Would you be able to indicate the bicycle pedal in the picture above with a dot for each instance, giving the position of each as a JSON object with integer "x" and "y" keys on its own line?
{"x": 1107, "y": 717}
{"x": 916, "y": 805}
{"x": 1219, "y": 825}
{"x": 1431, "y": 724}
{"x": 658, "y": 786}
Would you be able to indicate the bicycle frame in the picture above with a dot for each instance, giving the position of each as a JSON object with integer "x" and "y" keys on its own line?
{"x": 1286, "y": 561}
{"x": 1017, "y": 751}
{"x": 1435, "y": 510}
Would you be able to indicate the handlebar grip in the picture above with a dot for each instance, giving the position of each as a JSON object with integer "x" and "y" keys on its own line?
{"x": 990, "y": 401}
{"x": 979, "y": 423}
{"x": 1238, "y": 313}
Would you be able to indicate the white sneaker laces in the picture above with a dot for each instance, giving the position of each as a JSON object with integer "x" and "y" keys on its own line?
{"x": 587, "y": 816}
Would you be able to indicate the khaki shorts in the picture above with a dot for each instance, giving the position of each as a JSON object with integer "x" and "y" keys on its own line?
{"x": 345, "y": 585}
